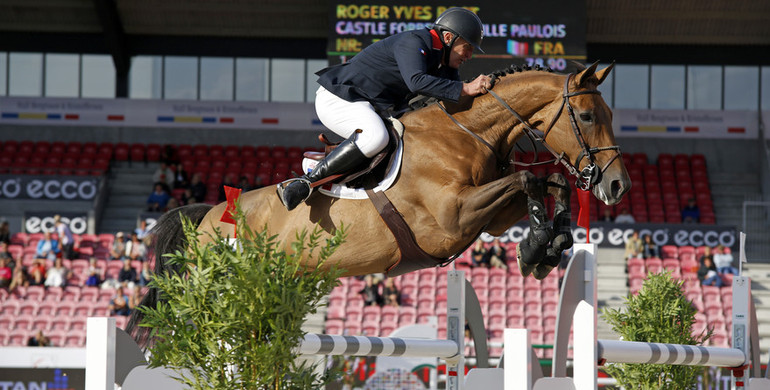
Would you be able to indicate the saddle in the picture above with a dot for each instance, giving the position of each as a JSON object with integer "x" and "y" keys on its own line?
{"x": 368, "y": 178}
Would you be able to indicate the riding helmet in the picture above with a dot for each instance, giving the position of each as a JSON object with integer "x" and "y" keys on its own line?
{"x": 464, "y": 23}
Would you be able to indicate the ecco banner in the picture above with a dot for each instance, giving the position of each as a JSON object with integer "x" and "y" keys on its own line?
{"x": 48, "y": 187}
{"x": 40, "y": 221}
{"x": 611, "y": 235}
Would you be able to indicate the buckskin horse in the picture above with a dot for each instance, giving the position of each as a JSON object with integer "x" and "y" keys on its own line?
{"x": 457, "y": 180}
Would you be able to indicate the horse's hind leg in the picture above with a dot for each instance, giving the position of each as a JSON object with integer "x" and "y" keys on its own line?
{"x": 558, "y": 188}
{"x": 532, "y": 250}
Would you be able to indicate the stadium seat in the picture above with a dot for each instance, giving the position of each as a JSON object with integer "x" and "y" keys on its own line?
{"x": 10, "y": 307}
{"x": 137, "y": 152}
{"x": 153, "y": 152}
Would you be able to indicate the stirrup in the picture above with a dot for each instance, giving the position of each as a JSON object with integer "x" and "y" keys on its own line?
{"x": 280, "y": 187}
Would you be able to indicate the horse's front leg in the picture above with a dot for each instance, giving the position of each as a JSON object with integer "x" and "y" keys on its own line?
{"x": 501, "y": 204}
{"x": 558, "y": 187}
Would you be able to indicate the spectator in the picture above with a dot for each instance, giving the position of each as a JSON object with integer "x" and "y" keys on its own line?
{"x": 135, "y": 300}
{"x": 723, "y": 260}
{"x": 258, "y": 182}
{"x": 158, "y": 199}
{"x": 57, "y": 275}
{"x": 624, "y": 216}
{"x": 496, "y": 255}
{"x": 198, "y": 188}
{"x": 47, "y": 248}
{"x": 168, "y": 154}
{"x": 243, "y": 184}
{"x": 691, "y": 212}
{"x": 37, "y": 273}
{"x": 118, "y": 250}
{"x": 371, "y": 291}
{"x": 634, "y": 246}
{"x": 187, "y": 197}
{"x": 479, "y": 254}
{"x": 163, "y": 175}
{"x": 4, "y": 254}
{"x": 145, "y": 275}
{"x": 20, "y": 277}
{"x": 66, "y": 241}
{"x": 38, "y": 340}
{"x": 391, "y": 293}
{"x": 650, "y": 249}
{"x": 172, "y": 204}
{"x": 707, "y": 273}
{"x": 142, "y": 230}
{"x": 93, "y": 273}
{"x": 135, "y": 248}
{"x": 229, "y": 181}
{"x": 119, "y": 303}
{"x": 127, "y": 274}
{"x": 181, "y": 179}
{"x": 5, "y": 232}
{"x": 6, "y": 273}
{"x": 606, "y": 216}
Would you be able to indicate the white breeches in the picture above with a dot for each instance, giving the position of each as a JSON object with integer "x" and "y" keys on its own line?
{"x": 344, "y": 118}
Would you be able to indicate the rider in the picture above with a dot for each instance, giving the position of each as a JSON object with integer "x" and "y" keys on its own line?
{"x": 386, "y": 75}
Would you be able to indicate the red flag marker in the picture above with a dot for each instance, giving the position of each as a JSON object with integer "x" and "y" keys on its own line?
{"x": 232, "y": 195}
{"x": 584, "y": 217}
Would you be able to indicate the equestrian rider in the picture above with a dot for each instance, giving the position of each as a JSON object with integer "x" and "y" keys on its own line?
{"x": 382, "y": 77}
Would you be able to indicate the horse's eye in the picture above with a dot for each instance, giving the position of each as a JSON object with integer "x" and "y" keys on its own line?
{"x": 587, "y": 117}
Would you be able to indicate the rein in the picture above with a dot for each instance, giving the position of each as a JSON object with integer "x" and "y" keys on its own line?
{"x": 589, "y": 175}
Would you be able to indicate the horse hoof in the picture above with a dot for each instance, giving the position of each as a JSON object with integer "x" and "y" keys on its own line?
{"x": 541, "y": 271}
{"x": 525, "y": 268}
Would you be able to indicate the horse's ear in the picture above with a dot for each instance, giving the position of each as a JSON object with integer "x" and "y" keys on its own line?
{"x": 583, "y": 76}
{"x": 602, "y": 74}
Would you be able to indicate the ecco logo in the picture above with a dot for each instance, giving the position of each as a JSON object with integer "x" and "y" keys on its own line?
{"x": 49, "y": 189}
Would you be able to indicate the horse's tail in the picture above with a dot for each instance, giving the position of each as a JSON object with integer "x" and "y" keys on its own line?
{"x": 167, "y": 237}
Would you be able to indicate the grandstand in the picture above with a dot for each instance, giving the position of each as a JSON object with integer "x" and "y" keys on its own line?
{"x": 114, "y": 83}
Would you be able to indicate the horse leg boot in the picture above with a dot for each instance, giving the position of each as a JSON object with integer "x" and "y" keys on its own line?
{"x": 532, "y": 250}
{"x": 561, "y": 242}
{"x": 558, "y": 187}
{"x": 342, "y": 159}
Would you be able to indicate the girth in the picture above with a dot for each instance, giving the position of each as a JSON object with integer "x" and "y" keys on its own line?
{"x": 407, "y": 245}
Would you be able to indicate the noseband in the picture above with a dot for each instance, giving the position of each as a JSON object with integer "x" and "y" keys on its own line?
{"x": 591, "y": 174}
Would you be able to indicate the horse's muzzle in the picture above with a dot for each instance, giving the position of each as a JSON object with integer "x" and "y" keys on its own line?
{"x": 612, "y": 187}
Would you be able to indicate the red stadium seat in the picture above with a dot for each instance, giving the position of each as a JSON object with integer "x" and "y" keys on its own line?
{"x": 153, "y": 152}
{"x": 137, "y": 152}
{"x": 122, "y": 152}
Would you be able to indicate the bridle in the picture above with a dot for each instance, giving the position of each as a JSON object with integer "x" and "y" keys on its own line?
{"x": 590, "y": 175}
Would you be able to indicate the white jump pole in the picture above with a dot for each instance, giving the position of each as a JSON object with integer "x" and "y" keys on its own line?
{"x": 452, "y": 350}
{"x": 324, "y": 344}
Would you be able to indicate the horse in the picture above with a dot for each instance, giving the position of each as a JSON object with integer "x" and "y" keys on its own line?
{"x": 457, "y": 179}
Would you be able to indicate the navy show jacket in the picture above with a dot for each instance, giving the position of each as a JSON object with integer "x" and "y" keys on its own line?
{"x": 392, "y": 71}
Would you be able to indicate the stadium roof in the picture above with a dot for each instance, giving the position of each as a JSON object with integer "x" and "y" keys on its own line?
{"x": 701, "y": 31}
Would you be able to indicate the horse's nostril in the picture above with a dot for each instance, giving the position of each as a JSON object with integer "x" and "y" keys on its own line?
{"x": 616, "y": 188}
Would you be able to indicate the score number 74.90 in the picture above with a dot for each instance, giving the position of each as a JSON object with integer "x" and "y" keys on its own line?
{"x": 554, "y": 63}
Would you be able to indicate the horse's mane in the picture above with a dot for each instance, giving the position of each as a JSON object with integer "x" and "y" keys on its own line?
{"x": 513, "y": 68}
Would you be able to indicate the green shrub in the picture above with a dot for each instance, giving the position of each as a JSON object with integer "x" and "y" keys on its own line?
{"x": 660, "y": 313}
{"x": 232, "y": 317}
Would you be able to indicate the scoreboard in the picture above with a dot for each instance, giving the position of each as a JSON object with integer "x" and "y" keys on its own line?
{"x": 546, "y": 33}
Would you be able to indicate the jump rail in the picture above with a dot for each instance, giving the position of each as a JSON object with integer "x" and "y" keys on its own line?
{"x": 577, "y": 306}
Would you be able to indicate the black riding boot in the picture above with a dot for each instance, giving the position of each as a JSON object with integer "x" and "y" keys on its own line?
{"x": 344, "y": 158}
